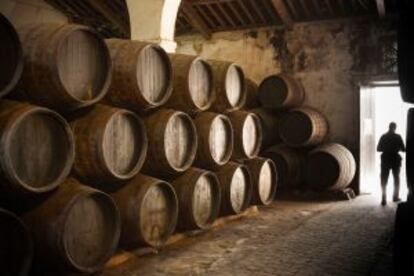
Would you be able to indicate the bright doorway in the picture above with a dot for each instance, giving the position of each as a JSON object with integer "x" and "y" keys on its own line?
{"x": 380, "y": 105}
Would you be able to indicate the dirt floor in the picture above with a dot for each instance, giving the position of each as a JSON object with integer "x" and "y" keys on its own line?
{"x": 287, "y": 238}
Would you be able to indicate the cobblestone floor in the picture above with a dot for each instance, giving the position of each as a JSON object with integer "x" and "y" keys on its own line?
{"x": 287, "y": 238}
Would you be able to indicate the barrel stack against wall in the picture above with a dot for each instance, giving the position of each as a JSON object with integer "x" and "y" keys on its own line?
{"x": 11, "y": 56}
{"x": 37, "y": 149}
{"x": 199, "y": 199}
{"x": 230, "y": 93}
{"x": 77, "y": 228}
{"x": 193, "y": 84}
{"x": 16, "y": 251}
{"x": 66, "y": 67}
{"x": 149, "y": 211}
{"x": 111, "y": 145}
{"x": 142, "y": 75}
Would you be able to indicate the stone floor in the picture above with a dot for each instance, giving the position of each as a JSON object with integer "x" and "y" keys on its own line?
{"x": 287, "y": 238}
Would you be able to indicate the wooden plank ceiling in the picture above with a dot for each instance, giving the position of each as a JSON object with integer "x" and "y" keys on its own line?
{"x": 110, "y": 17}
{"x": 209, "y": 16}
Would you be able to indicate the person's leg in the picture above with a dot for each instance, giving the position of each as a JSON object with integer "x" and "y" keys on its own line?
{"x": 396, "y": 174}
{"x": 385, "y": 172}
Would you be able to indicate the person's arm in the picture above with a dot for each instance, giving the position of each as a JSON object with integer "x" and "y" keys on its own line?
{"x": 380, "y": 147}
{"x": 402, "y": 146}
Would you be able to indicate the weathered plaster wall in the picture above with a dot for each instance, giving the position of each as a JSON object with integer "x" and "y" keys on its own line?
{"x": 22, "y": 12}
{"x": 331, "y": 59}
{"x": 251, "y": 50}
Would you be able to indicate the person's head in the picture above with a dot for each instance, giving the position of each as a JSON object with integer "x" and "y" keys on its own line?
{"x": 392, "y": 127}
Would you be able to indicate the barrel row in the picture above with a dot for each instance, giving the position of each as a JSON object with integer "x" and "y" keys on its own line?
{"x": 144, "y": 212}
{"x": 80, "y": 69}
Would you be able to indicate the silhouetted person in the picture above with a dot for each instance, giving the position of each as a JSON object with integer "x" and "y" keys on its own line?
{"x": 390, "y": 145}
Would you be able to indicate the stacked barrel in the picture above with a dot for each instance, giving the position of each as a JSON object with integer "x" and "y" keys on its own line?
{"x": 114, "y": 143}
{"x": 295, "y": 137}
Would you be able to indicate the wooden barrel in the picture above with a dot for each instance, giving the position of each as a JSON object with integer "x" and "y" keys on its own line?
{"x": 289, "y": 165}
{"x": 215, "y": 140}
{"x": 11, "y": 56}
{"x": 113, "y": 149}
{"x": 330, "y": 166}
{"x": 236, "y": 188}
{"x": 193, "y": 84}
{"x": 65, "y": 66}
{"x": 37, "y": 149}
{"x": 247, "y": 134}
{"x": 229, "y": 86}
{"x": 303, "y": 127}
{"x": 77, "y": 228}
{"x": 264, "y": 179}
{"x": 149, "y": 211}
{"x": 172, "y": 143}
{"x": 199, "y": 196}
{"x": 16, "y": 250}
{"x": 409, "y": 157}
{"x": 142, "y": 75}
{"x": 252, "y": 94}
{"x": 270, "y": 126}
{"x": 281, "y": 91}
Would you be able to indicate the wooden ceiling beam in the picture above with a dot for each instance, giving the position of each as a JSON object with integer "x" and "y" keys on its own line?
{"x": 195, "y": 20}
{"x": 293, "y": 9}
{"x": 380, "y": 7}
{"x": 330, "y": 8}
{"x": 253, "y": 3}
{"x": 283, "y": 12}
{"x": 219, "y": 19}
{"x": 247, "y": 12}
{"x": 236, "y": 13}
{"x": 228, "y": 17}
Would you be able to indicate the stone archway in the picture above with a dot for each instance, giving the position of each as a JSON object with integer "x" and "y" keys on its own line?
{"x": 154, "y": 20}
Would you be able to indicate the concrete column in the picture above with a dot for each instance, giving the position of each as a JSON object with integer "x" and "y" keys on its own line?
{"x": 154, "y": 21}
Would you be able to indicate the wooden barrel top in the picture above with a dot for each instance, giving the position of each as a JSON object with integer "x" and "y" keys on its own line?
{"x": 234, "y": 85}
{"x": 123, "y": 143}
{"x": 200, "y": 83}
{"x": 251, "y": 134}
{"x": 156, "y": 219}
{"x": 296, "y": 128}
{"x": 83, "y": 64}
{"x": 238, "y": 189}
{"x": 180, "y": 140}
{"x": 40, "y": 149}
{"x": 220, "y": 139}
{"x": 90, "y": 229}
{"x": 203, "y": 201}
{"x": 153, "y": 74}
{"x": 266, "y": 181}
{"x": 11, "y": 56}
{"x": 274, "y": 90}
